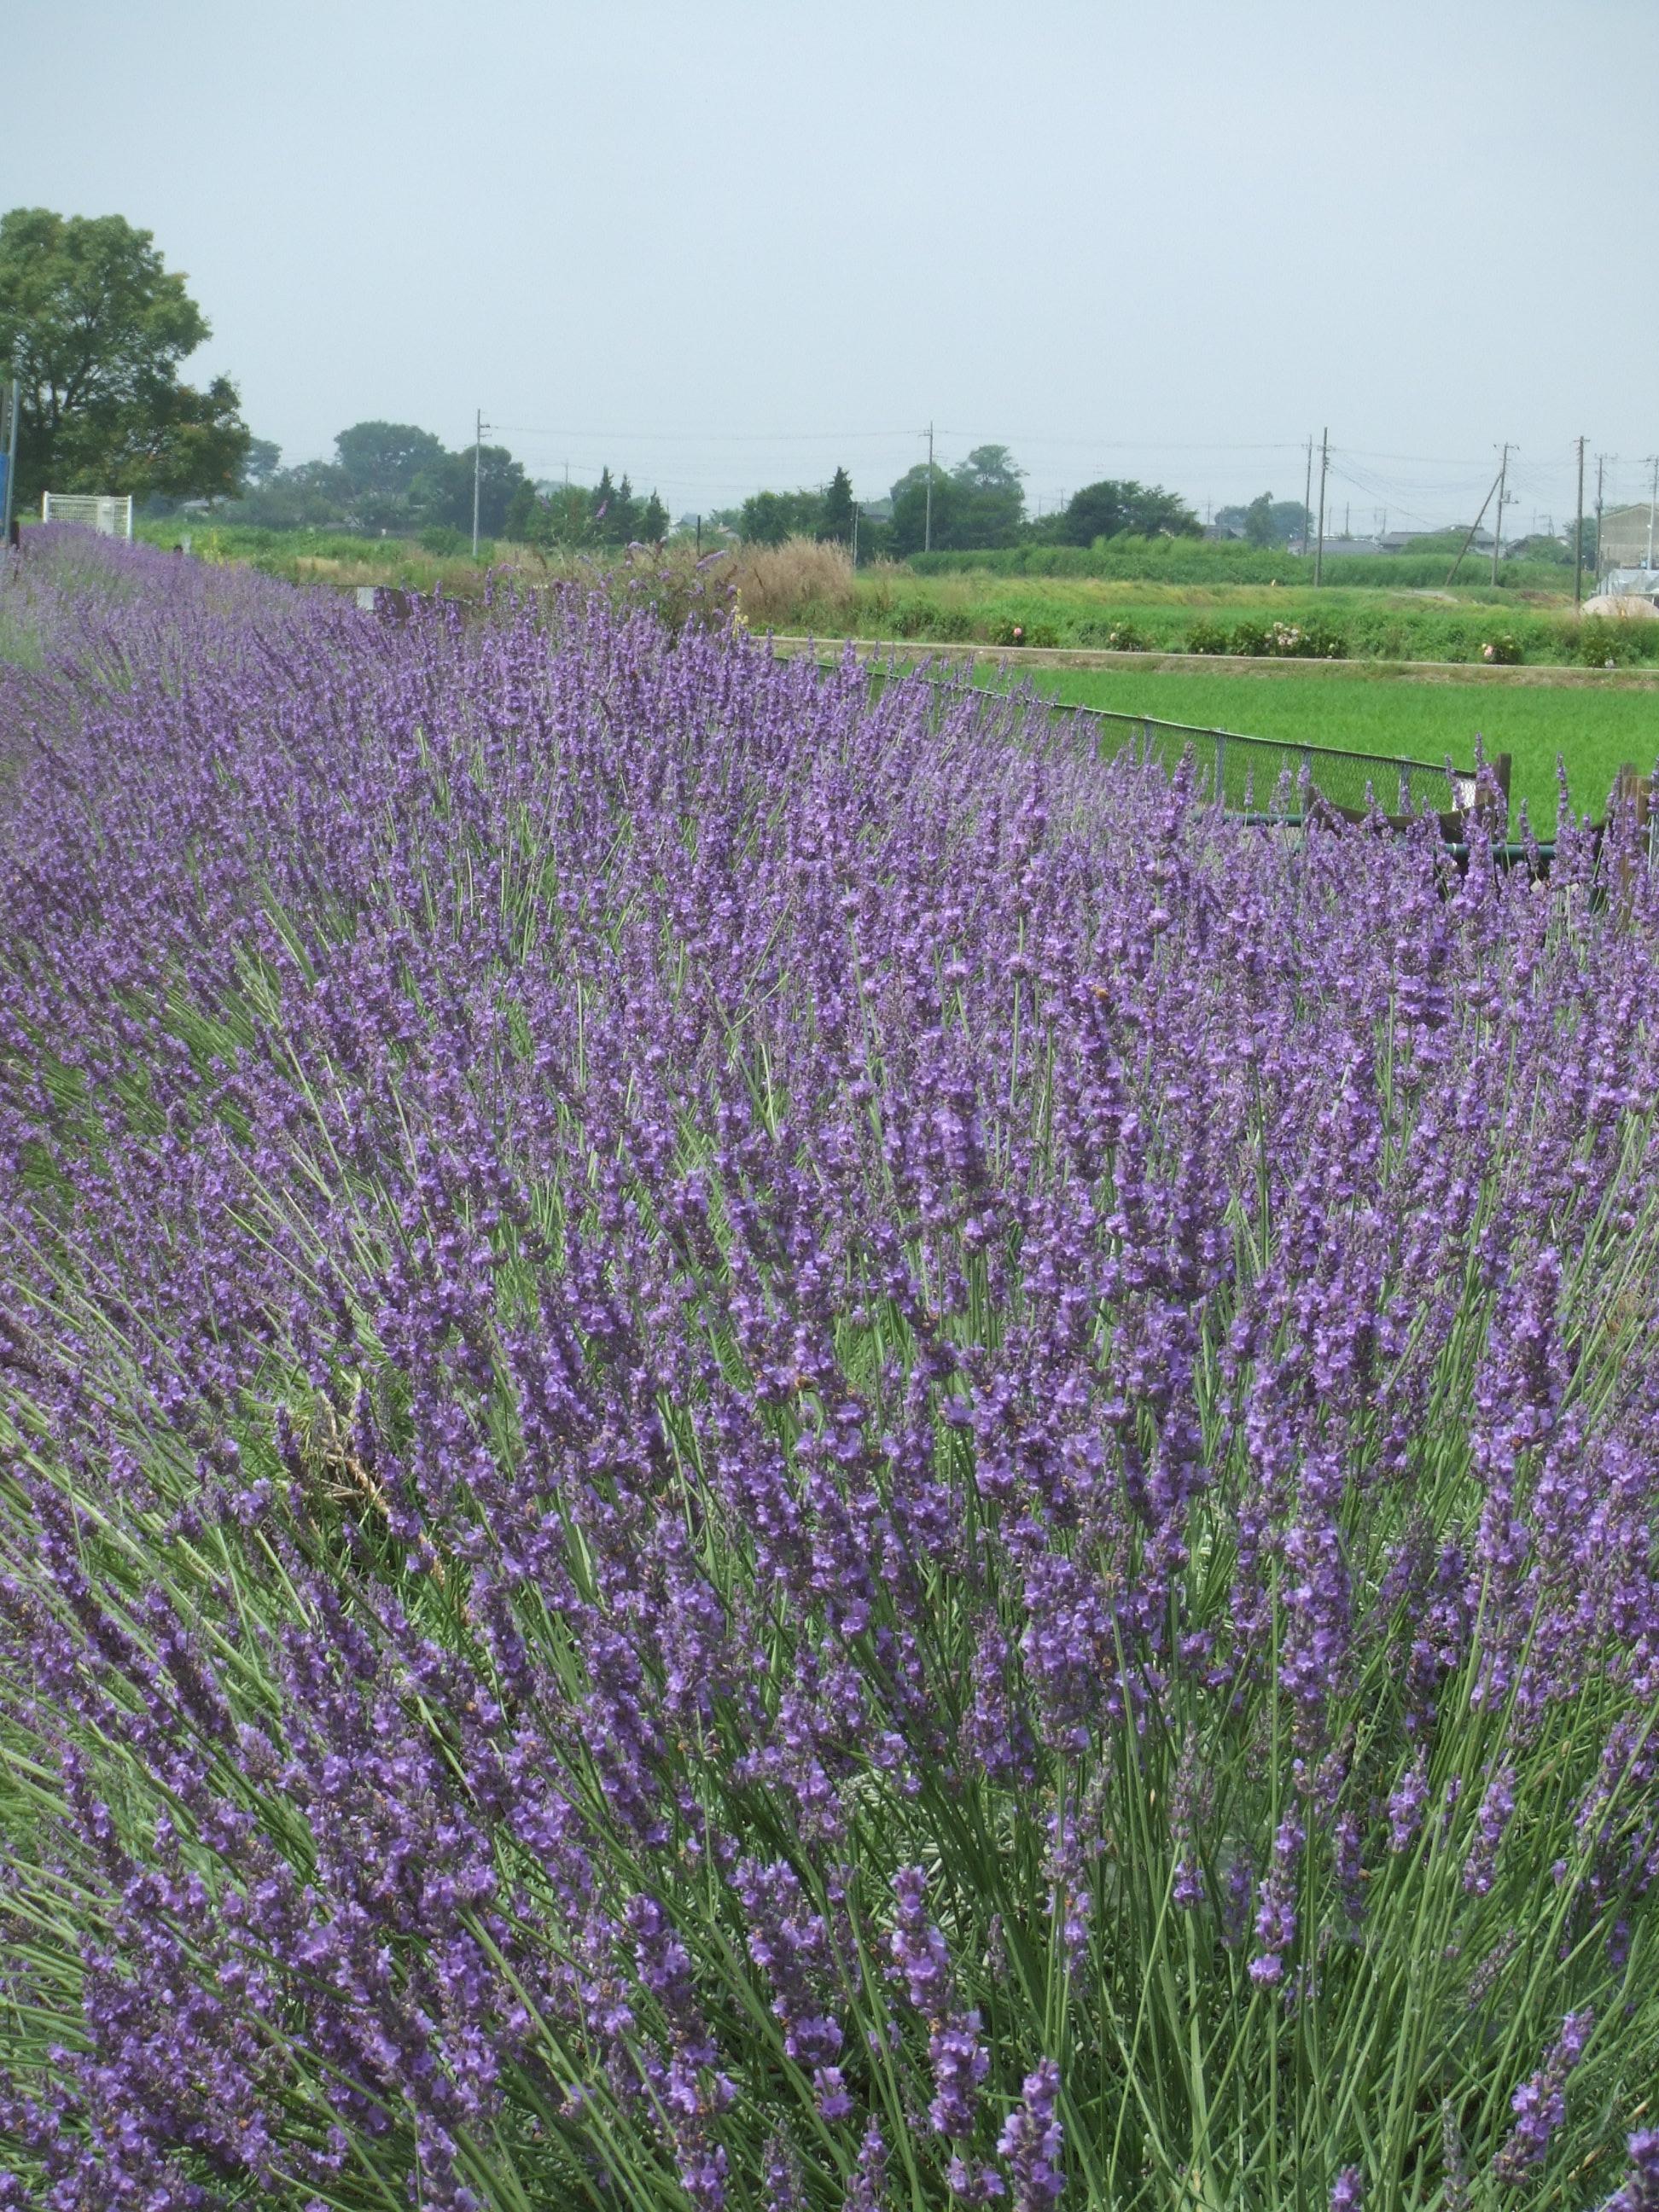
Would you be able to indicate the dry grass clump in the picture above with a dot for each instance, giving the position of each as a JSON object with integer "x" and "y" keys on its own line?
{"x": 802, "y": 584}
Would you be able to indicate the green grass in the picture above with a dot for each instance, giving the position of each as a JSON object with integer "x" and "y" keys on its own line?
{"x": 1593, "y": 728}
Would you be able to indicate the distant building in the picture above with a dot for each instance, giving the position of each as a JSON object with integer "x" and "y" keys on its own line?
{"x": 1626, "y": 537}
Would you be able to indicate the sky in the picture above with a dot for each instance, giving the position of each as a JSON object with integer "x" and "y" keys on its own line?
{"x": 738, "y": 243}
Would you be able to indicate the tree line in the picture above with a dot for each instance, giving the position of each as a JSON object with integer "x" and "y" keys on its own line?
{"x": 978, "y": 505}
{"x": 94, "y": 328}
{"x": 398, "y": 478}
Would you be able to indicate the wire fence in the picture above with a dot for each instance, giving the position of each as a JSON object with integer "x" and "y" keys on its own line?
{"x": 1274, "y": 777}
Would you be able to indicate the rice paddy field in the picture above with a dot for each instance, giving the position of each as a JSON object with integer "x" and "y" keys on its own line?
{"x": 765, "y": 1445}
{"x": 1589, "y": 729}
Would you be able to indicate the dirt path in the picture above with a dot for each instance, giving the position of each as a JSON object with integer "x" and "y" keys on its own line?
{"x": 1541, "y": 674}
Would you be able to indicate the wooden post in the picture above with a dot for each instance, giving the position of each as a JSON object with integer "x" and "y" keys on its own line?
{"x": 1502, "y": 769}
{"x": 1630, "y": 793}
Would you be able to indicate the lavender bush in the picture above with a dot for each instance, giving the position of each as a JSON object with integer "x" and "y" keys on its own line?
{"x": 765, "y": 1450}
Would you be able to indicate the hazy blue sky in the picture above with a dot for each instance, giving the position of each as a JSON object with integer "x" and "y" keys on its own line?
{"x": 728, "y": 244}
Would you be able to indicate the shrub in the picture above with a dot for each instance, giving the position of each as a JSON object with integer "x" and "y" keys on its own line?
{"x": 1502, "y": 650}
{"x": 805, "y": 583}
{"x": 446, "y": 543}
{"x": 1006, "y": 631}
{"x": 1208, "y": 637}
{"x": 1603, "y": 644}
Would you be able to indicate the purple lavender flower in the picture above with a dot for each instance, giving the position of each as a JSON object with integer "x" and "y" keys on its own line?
{"x": 1032, "y": 2141}
{"x": 1640, "y": 2192}
{"x": 1540, "y": 2105}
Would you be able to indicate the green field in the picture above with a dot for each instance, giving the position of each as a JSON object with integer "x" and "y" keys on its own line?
{"x": 1341, "y": 623}
{"x": 1593, "y": 728}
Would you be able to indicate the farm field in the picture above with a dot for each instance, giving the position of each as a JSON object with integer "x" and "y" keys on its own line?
{"x": 1337, "y": 623}
{"x": 1593, "y": 730}
{"x": 763, "y": 1453}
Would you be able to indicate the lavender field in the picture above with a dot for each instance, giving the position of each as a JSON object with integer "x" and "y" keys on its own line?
{"x": 765, "y": 1450}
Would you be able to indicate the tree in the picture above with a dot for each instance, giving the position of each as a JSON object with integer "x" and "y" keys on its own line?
{"x": 310, "y": 496}
{"x": 522, "y": 522}
{"x": 93, "y": 327}
{"x": 1114, "y": 507}
{"x": 622, "y": 524}
{"x": 1268, "y": 520}
{"x": 770, "y": 517}
{"x": 993, "y": 506}
{"x": 443, "y": 492}
{"x": 386, "y": 458}
{"x": 654, "y": 521}
{"x": 837, "y": 521}
{"x": 910, "y": 510}
{"x": 262, "y": 461}
{"x": 1259, "y": 520}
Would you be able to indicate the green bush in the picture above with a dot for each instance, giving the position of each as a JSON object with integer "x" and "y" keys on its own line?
{"x": 1207, "y": 637}
{"x": 444, "y": 541}
{"x": 1603, "y": 644}
{"x": 1503, "y": 651}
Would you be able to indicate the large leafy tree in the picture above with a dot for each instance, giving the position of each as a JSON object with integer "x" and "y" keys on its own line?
{"x": 93, "y": 327}
{"x": 979, "y": 502}
{"x": 910, "y": 510}
{"x": 1112, "y": 507}
{"x": 992, "y": 504}
{"x": 770, "y": 517}
{"x": 1268, "y": 520}
{"x": 443, "y": 491}
{"x": 386, "y": 458}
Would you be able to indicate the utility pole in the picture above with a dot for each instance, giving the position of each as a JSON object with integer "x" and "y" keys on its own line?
{"x": 1498, "y": 524}
{"x": 1307, "y": 496}
{"x": 1600, "y": 464}
{"x": 480, "y": 427}
{"x": 855, "y": 533}
{"x": 1653, "y": 501}
{"x": 1324, "y": 464}
{"x": 1578, "y": 537}
{"x": 699, "y": 537}
{"x": 11, "y": 465}
{"x": 927, "y": 525}
{"x": 1473, "y": 526}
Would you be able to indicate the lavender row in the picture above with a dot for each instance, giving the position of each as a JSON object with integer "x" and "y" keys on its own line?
{"x": 763, "y": 1448}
